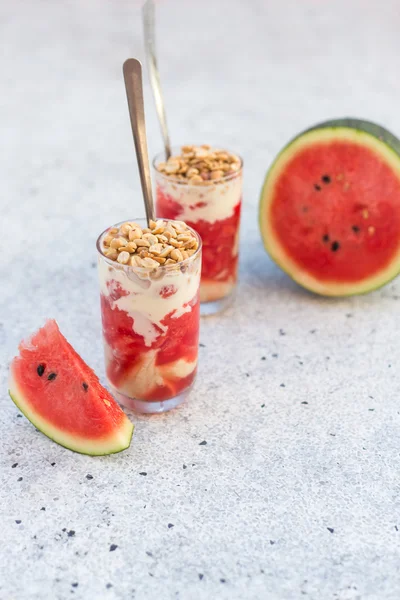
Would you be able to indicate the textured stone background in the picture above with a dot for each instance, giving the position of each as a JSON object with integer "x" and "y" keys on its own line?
{"x": 297, "y": 396}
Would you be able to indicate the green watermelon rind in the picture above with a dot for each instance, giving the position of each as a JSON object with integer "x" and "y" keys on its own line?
{"x": 117, "y": 442}
{"x": 373, "y": 135}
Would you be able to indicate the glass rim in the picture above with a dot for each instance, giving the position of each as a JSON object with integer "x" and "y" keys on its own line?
{"x": 172, "y": 179}
{"x": 131, "y": 268}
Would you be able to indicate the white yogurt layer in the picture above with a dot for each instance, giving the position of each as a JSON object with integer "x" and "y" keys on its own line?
{"x": 144, "y": 301}
{"x": 219, "y": 199}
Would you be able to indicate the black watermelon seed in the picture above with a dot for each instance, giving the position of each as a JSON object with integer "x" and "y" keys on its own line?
{"x": 40, "y": 369}
{"x": 325, "y": 238}
{"x": 326, "y": 179}
{"x": 85, "y": 386}
{"x": 335, "y": 246}
{"x": 52, "y": 376}
{"x": 113, "y": 547}
{"x": 18, "y": 521}
{"x": 330, "y": 529}
{"x": 317, "y": 187}
{"x": 355, "y": 228}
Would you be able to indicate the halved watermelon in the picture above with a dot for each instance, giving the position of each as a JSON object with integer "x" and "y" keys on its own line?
{"x": 330, "y": 208}
{"x": 63, "y": 397}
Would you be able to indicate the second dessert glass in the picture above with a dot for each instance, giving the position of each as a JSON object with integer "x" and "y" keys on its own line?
{"x": 151, "y": 319}
{"x": 212, "y": 208}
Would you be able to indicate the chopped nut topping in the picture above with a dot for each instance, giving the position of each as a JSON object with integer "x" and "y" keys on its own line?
{"x": 200, "y": 165}
{"x": 130, "y": 247}
{"x": 135, "y": 233}
{"x": 125, "y": 229}
{"x": 123, "y": 257}
{"x": 108, "y": 239}
{"x": 111, "y": 253}
{"x": 118, "y": 241}
{"x": 141, "y": 242}
{"x": 164, "y": 243}
{"x": 176, "y": 255}
{"x": 152, "y": 239}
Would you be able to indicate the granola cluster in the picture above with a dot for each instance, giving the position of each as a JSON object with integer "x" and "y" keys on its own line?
{"x": 200, "y": 165}
{"x": 163, "y": 243}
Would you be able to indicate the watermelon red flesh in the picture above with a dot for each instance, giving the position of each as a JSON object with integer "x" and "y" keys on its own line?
{"x": 312, "y": 219}
{"x": 330, "y": 211}
{"x": 62, "y": 396}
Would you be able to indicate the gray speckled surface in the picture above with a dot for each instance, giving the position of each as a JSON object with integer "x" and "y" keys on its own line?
{"x": 251, "y": 509}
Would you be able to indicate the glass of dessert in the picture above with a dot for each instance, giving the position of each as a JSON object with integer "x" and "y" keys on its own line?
{"x": 149, "y": 281}
{"x": 202, "y": 186}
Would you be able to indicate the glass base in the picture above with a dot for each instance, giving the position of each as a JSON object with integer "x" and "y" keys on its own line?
{"x": 150, "y": 407}
{"x": 216, "y": 306}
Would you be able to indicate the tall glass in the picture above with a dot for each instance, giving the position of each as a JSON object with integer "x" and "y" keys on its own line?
{"x": 212, "y": 208}
{"x": 150, "y": 329}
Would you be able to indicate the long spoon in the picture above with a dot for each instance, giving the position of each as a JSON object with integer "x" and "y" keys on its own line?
{"x": 150, "y": 46}
{"x": 134, "y": 91}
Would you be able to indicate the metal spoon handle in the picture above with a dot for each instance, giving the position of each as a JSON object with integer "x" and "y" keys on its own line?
{"x": 134, "y": 90}
{"x": 150, "y": 46}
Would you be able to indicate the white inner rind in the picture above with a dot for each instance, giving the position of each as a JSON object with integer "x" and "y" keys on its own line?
{"x": 116, "y": 441}
{"x": 272, "y": 243}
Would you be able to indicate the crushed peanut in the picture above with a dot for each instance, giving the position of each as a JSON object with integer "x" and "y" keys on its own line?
{"x": 200, "y": 165}
{"x": 164, "y": 243}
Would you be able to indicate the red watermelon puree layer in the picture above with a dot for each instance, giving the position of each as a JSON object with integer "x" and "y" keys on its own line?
{"x": 219, "y": 239}
{"x": 214, "y": 212}
{"x": 334, "y": 211}
{"x": 61, "y": 389}
{"x": 151, "y": 330}
{"x": 128, "y": 350}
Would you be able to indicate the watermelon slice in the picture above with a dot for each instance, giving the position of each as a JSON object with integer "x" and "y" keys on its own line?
{"x": 330, "y": 208}
{"x": 62, "y": 396}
